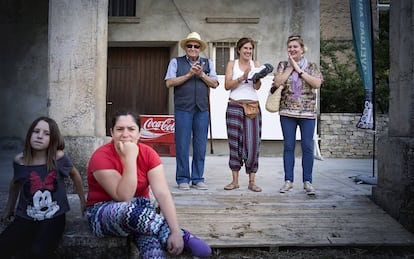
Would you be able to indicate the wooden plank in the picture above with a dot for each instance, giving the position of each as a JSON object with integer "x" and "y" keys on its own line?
{"x": 267, "y": 221}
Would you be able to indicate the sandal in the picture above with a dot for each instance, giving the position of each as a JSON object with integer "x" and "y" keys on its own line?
{"x": 254, "y": 187}
{"x": 231, "y": 186}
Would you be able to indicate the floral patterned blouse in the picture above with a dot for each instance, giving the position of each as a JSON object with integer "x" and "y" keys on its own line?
{"x": 299, "y": 103}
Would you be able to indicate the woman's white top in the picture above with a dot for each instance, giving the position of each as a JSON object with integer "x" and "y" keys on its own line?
{"x": 245, "y": 90}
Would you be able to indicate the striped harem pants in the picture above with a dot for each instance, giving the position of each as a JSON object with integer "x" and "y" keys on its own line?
{"x": 244, "y": 136}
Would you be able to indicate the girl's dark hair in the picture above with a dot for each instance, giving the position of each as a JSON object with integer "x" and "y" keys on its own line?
{"x": 241, "y": 43}
{"x": 55, "y": 141}
{"x": 134, "y": 115}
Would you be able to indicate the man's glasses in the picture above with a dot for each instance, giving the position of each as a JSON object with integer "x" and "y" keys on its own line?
{"x": 189, "y": 46}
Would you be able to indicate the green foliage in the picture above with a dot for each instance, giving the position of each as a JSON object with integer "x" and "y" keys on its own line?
{"x": 342, "y": 90}
{"x": 382, "y": 64}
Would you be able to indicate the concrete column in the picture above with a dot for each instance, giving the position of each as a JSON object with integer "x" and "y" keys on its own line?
{"x": 77, "y": 74}
{"x": 395, "y": 189}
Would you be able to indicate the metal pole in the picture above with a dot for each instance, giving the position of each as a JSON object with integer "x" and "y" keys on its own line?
{"x": 373, "y": 92}
{"x": 209, "y": 121}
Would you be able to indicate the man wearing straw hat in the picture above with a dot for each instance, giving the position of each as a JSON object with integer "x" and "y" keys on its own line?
{"x": 191, "y": 76}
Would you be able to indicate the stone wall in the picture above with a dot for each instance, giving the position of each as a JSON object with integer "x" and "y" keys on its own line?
{"x": 339, "y": 137}
{"x": 335, "y": 19}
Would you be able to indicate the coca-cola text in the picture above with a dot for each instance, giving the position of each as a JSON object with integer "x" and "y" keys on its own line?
{"x": 166, "y": 126}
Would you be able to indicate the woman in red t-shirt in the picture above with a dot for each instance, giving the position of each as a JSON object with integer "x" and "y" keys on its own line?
{"x": 119, "y": 176}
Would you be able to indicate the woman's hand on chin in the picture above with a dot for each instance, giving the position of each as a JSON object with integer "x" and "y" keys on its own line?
{"x": 127, "y": 149}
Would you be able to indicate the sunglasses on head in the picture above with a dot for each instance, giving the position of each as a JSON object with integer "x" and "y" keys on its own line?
{"x": 294, "y": 37}
{"x": 189, "y": 46}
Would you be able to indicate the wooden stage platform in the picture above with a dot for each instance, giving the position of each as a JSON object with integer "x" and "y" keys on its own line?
{"x": 340, "y": 214}
{"x": 280, "y": 221}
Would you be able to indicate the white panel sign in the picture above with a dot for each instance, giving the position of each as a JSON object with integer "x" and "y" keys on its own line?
{"x": 270, "y": 121}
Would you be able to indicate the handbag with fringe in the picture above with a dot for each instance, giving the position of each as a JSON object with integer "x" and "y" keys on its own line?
{"x": 273, "y": 100}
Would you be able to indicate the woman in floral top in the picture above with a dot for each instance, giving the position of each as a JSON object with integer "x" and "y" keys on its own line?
{"x": 299, "y": 79}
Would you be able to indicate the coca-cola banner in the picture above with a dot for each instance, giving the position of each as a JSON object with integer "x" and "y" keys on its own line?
{"x": 157, "y": 128}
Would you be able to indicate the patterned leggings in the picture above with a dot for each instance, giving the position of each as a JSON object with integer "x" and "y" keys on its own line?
{"x": 137, "y": 219}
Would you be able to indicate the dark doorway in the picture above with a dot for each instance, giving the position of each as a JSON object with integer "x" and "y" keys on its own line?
{"x": 136, "y": 81}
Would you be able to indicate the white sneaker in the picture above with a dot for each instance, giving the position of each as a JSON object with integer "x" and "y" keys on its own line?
{"x": 200, "y": 186}
{"x": 307, "y": 186}
{"x": 286, "y": 187}
{"x": 184, "y": 186}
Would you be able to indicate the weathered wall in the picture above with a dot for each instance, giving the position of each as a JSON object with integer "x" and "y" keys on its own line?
{"x": 23, "y": 65}
{"x": 335, "y": 20}
{"x": 77, "y": 66}
{"x": 77, "y": 74}
{"x": 395, "y": 189}
{"x": 173, "y": 20}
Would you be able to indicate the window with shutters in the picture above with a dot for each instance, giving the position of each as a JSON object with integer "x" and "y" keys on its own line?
{"x": 121, "y": 8}
{"x": 223, "y": 51}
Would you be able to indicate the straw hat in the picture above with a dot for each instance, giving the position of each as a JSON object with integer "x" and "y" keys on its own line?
{"x": 194, "y": 36}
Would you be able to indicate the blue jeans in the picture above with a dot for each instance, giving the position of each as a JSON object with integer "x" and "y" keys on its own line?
{"x": 307, "y": 128}
{"x": 190, "y": 124}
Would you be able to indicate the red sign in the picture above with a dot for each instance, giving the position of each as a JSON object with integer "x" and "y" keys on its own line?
{"x": 158, "y": 132}
{"x": 157, "y": 128}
